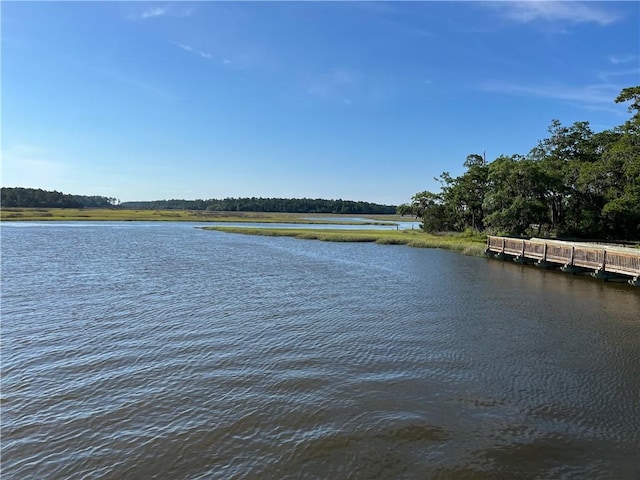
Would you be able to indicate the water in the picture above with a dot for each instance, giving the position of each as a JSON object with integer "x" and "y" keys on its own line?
{"x": 139, "y": 351}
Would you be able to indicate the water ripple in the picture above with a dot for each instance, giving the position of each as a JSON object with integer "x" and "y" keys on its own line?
{"x": 161, "y": 351}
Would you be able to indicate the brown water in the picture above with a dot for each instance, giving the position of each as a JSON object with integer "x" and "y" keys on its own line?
{"x": 135, "y": 350}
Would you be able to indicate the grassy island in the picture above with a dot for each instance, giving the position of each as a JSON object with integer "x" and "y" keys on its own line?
{"x": 467, "y": 243}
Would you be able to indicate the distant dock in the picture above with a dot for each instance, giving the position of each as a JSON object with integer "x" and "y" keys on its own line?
{"x": 601, "y": 261}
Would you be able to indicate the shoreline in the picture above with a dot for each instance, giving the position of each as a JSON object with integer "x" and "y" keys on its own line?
{"x": 19, "y": 214}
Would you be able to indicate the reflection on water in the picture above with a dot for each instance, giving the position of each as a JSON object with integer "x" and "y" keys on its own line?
{"x": 140, "y": 351}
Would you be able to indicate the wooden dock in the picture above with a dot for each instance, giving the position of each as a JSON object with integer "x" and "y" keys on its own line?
{"x": 602, "y": 261}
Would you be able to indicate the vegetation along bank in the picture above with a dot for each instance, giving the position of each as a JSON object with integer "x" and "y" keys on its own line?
{"x": 468, "y": 243}
{"x": 575, "y": 183}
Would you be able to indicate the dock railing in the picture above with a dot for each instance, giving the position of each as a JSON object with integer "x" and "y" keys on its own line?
{"x": 600, "y": 258}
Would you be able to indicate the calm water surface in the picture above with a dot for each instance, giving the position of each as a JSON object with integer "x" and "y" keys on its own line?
{"x": 139, "y": 351}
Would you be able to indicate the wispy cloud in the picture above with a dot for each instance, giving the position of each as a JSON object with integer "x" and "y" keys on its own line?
{"x": 593, "y": 97}
{"x": 152, "y": 12}
{"x": 155, "y": 12}
{"x": 614, "y": 77}
{"x": 190, "y": 49}
{"x": 551, "y": 11}
{"x": 625, "y": 58}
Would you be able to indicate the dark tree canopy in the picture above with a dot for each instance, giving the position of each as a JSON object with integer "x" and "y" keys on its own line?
{"x": 253, "y": 204}
{"x": 38, "y": 198}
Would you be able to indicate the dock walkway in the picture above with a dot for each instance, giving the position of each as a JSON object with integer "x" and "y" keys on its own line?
{"x": 605, "y": 261}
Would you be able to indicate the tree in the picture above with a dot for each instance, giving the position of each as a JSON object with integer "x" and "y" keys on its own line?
{"x": 516, "y": 200}
{"x": 631, "y": 94}
{"x": 621, "y": 212}
{"x": 428, "y": 206}
{"x": 574, "y": 182}
{"x": 471, "y": 189}
{"x": 404, "y": 209}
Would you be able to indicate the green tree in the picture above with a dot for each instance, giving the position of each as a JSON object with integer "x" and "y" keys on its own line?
{"x": 429, "y": 207}
{"x": 515, "y": 201}
{"x": 471, "y": 189}
{"x": 574, "y": 182}
{"x": 621, "y": 212}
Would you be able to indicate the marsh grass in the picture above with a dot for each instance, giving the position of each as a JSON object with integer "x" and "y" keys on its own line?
{"x": 467, "y": 244}
{"x": 117, "y": 214}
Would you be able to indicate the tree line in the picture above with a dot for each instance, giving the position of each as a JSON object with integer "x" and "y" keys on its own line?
{"x": 253, "y": 204}
{"x": 574, "y": 183}
{"x": 38, "y": 198}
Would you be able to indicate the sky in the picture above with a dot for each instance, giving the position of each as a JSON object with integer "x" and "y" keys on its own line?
{"x": 365, "y": 101}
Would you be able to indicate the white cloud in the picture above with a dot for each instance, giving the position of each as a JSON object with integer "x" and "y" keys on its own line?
{"x": 625, "y": 58}
{"x": 615, "y": 76}
{"x": 155, "y": 12}
{"x": 595, "y": 96}
{"x": 152, "y": 12}
{"x": 190, "y": 49}
{"x": 551, "y": 11}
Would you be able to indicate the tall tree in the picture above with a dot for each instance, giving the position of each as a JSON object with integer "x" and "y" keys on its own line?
{"x": 516, "y": 202}
{"x": 621, "y": 211}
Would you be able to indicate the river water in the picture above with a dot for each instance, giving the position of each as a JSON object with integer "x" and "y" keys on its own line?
{"x": 138, "y": 351}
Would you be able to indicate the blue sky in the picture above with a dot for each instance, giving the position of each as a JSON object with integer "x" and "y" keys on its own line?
{"x": 351, "y": 100}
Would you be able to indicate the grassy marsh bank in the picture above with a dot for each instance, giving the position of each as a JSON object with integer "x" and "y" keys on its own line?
{"x": 465, "y": 243}
{"x": 117, "y": 214}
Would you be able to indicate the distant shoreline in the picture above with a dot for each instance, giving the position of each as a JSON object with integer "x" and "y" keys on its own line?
{"x": 118, "y": 214}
